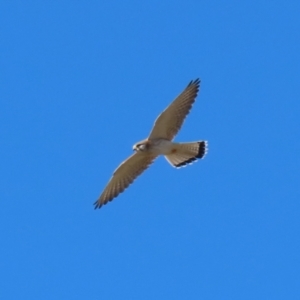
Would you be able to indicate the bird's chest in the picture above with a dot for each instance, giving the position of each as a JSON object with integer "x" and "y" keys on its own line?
{"x": 161, "y": 147}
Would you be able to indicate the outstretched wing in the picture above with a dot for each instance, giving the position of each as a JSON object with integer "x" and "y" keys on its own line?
{"x": 124, "y": 175}
{"x": 171, "y": 119}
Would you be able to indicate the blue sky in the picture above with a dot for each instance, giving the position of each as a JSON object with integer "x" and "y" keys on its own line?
{"x": 81, "y": 82}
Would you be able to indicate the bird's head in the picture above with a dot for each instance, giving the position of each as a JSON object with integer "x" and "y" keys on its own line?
{"x": 141, "y": 146}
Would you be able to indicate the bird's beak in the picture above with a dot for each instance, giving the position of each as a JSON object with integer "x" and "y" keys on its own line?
{"x": 134, "y": 148}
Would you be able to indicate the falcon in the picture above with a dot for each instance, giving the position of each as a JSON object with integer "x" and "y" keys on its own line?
{"x": 158, "y": 143}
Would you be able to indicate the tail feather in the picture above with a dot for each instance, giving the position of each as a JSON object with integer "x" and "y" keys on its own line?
{"x": 187, "y": 153}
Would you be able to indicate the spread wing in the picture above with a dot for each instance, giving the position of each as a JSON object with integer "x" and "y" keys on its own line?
{"x": 171, "y": 119}
{"x": 124, "y": 175}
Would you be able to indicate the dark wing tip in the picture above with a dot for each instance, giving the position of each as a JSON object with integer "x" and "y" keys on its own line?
{"x": 102, "y": 201}
{"x": 97, "y": 204}
{"x": 195, "y": 82}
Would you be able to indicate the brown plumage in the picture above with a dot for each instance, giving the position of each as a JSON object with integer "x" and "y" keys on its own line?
{"x": 124, "y": 175}
{"x": 159, "y": 142}
{"x": 171, "y": 119}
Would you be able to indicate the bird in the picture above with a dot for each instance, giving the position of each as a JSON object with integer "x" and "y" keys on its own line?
{"x": 159, "y": 142}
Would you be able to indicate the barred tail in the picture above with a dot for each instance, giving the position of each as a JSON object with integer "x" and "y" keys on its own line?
{"x": 186, "y": 153}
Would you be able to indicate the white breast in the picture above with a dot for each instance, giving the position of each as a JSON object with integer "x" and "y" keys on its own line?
{"x": 161, "y": 146}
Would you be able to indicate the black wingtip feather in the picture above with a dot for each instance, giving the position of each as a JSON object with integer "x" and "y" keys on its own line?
{"x": 195, "y": 82}
{"x": 97, "y": 205}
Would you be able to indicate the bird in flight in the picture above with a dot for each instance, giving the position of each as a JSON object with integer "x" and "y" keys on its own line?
{"x": 159, "y": 142}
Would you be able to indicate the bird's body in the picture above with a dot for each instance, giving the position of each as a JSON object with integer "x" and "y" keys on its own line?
{"x": 158, "y": 143}
{"x": 154, "y": 146}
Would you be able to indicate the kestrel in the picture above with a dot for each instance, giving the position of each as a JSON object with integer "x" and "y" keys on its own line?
{"x": 159, "y": 142}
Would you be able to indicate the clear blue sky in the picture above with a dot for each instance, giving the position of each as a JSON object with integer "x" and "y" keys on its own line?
{"x": 81, "y": 82}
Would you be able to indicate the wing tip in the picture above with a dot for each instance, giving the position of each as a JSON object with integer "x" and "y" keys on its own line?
{"x": 106, "y": 198}
{"x": 100, "y": 202}
{"x": 195, "y": 82}
{"x": 97, "y": 204}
